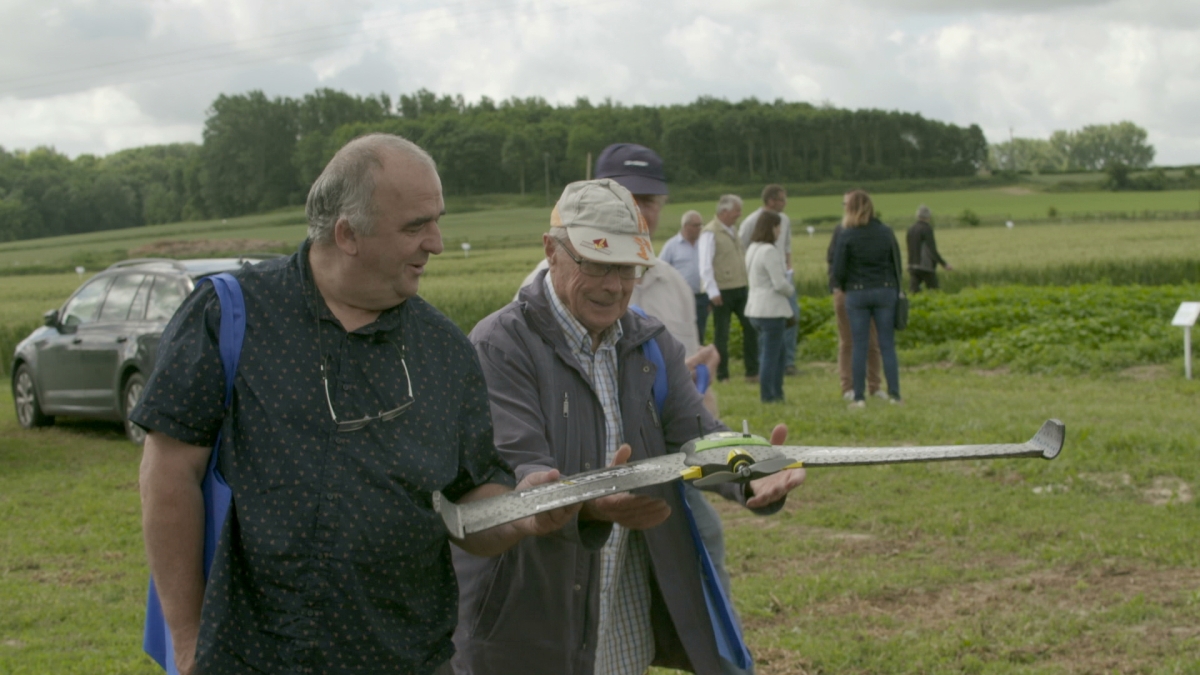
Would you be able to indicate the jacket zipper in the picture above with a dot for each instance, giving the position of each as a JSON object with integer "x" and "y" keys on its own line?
{"x": 654, "y": 414}
{"x": 566, "y": 404}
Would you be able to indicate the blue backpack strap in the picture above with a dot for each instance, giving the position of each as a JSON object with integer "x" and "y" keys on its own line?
{"x": 652, "y": 352}
{"x": 728, "y": 634}
{"x": 156, "y": 640}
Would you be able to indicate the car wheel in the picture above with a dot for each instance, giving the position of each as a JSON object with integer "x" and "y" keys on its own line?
{"x": 129, "y": 398}
{"x": 29, "y": 412}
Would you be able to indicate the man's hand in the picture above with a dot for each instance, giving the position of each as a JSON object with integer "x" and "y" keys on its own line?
{"x": 771, "y": 489}
{"x": 948, "y": 268}
{"x": 715, "y": 300}
{"x": 633, "y": 512}
{"x": 708, "y": 355}
{"x": 548, "y": 521}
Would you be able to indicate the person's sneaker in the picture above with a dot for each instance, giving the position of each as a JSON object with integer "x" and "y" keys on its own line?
{"x": 848, "y": 395}
{"x": 896, "y": 401}
{"x": 881, "y": 394}
{"x": 791, "y": 370}
{"x": 855, "y": 405}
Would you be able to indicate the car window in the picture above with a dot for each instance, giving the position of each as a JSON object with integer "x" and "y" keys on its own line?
{"x": 84, "y": 306}
{"x": 120, "y": 297}
{"x": 166, "y": 297}
{"x": 137, "y": 311}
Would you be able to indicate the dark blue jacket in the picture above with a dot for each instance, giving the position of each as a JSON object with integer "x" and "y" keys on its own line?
{"x": 863, "y": 257}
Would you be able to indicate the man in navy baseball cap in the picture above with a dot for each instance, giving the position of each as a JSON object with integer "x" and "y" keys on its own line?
{"x": 638, "y": 168}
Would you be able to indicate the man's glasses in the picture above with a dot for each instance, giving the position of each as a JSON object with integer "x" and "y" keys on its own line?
{"x": 355, "y": 425}
{"x": 595, "y": 269}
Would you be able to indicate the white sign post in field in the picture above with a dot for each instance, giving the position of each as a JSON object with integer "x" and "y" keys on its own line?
{"x": 1186, "y": 316}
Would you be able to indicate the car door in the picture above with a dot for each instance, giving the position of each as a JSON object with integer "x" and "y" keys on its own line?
{"x": 166, "y": 294}
{"x": 57, "y": 359}
{"x": 103, "y": 344}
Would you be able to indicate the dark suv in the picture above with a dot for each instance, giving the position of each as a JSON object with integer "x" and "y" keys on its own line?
{"x": 94, "y": 354}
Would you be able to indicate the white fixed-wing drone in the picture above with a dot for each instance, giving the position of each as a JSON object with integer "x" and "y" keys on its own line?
{"x": 718, "y": 458}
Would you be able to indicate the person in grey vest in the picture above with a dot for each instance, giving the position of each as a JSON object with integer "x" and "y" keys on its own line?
{"x": 723, "y": 269}
{"x": 618, "y": 589}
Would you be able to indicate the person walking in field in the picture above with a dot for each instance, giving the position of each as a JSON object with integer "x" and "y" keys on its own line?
{"x": 768, "y": 306}
{"x": 865, "y": 266}
{"x": 923, "y": 256}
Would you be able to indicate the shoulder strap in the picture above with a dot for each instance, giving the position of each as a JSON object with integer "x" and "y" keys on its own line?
{"x": 652, "y": 352}
{"x": 156, "y": 637}
{"x": 233, "y": 326}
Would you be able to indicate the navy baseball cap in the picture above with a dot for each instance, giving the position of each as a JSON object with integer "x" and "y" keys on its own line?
{"x": 636, "y": 167}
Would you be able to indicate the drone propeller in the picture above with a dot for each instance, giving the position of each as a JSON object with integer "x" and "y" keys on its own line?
{"x": 770, "y": 466}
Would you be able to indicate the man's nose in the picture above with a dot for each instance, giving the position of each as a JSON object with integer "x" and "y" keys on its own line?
{"x": 433, "y": 240}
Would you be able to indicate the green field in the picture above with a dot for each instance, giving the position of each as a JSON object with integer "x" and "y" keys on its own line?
{"x": 516, "y": 226}
{"x": 1086, "y": 564}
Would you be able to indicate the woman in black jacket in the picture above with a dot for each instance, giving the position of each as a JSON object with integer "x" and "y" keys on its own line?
{"x": 865, "y": 263}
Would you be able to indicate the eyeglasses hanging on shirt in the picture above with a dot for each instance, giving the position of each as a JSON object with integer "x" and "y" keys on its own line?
{"x": 382, "y": 416}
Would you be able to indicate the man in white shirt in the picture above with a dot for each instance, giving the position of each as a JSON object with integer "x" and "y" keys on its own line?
{"x": 723, "y": 272}
{"x": 683, "y": 253}
{"x": 774, "y": 198}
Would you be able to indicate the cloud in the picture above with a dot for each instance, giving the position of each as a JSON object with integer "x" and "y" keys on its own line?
{"x": 131, "y": 71}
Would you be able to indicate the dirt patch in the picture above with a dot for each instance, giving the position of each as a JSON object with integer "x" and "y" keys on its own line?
{"x": 1168, "y": 490}
{"x": 1017, "y": 191}
{"x": 1144, "y": 373}
{"x": 197, "y": 248}
{"x": 994, "y": 372}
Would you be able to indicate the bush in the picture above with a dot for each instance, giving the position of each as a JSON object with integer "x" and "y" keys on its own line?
{"x": 968, "y": 218}
{"x": 1080, "y": 329}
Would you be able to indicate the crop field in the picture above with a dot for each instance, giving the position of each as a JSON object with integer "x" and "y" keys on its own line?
{"x": 515, "y": 226}
{"x": 1086, "y": 564}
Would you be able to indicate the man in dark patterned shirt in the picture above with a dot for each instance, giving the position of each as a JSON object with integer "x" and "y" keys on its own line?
{"x": 354, "y": 401}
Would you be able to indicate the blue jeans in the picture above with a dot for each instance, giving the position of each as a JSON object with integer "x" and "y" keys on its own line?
{"x": 701, "y": 314}
{"x": 770, "y": 357}
{"x": 791, "y": 335}
{"x": 862, "y": 306}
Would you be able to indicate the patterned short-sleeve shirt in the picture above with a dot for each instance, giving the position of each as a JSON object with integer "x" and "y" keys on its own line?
{"x": 333, "y": 560}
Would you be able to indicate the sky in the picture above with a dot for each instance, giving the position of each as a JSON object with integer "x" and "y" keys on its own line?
{"x": 97, "y": 76}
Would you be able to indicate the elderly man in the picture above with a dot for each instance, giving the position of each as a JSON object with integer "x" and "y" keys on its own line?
{"x": 774, "y": 199}
{"x": 723, "y": 270}
{"x": 570, "y": 386}
{"x": 682, "y": 252}
{"x": 353, "y": 402}
{"x": 923, "y": 256}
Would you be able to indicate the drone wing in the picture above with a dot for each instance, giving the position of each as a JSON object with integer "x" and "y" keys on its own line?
{"x": 464, "y": 519}
{"x": 1046, "y": 443}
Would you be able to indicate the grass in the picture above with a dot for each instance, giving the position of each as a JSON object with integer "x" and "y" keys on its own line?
{"x": 516, "y": 225}
{"x": 1083, "y": 564}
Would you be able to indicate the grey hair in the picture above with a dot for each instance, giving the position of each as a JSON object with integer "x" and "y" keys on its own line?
{"x": 689, "y": 214}
{"x": 923, "y": 213}
{"x": 728, "y": 203}
{"x": 559, "y": 234}
{"x": 346, "y": 188}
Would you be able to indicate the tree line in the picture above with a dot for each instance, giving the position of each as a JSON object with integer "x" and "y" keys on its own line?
{"x": 260, "y": 153}
{"x": 1093, "y": 148}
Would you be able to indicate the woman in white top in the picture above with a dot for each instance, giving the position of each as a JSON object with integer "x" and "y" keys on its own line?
{"x": 767, "y": 306}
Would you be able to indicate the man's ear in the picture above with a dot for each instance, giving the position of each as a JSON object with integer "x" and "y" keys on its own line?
{"x": 345, "y": 237}
{"x": 549, "y": 244}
